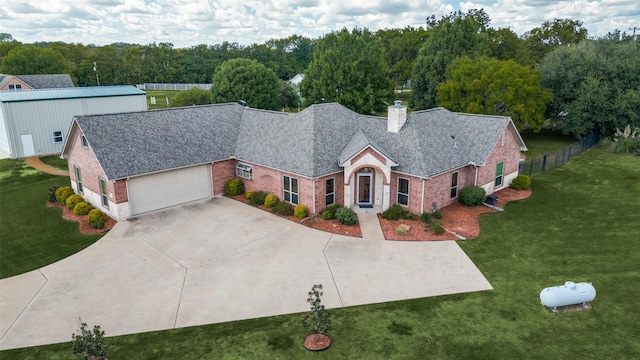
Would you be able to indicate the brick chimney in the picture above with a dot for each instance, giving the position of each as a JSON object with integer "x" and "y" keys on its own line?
{"x": 397, "y": 116}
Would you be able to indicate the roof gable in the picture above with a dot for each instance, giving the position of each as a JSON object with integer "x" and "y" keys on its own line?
{"x": 358, "y": 143}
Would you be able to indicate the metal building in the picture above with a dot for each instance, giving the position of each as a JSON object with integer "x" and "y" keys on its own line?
{"x": 36, "y": 122}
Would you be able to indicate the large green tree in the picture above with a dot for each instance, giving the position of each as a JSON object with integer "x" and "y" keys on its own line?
{"x": 550, "y": 35}
{"x": 400, "y": 50}
{"x": 494, "y": 87}
{"x": 457, "y": 34}
{"x": 348, "y": 68}
{"x": 34, "y": 60}
{"x": 244, "y": 80}
{"x": 596, "y": 86}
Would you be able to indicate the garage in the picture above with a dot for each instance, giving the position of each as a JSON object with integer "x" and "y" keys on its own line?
{"x": 162, "y": 190}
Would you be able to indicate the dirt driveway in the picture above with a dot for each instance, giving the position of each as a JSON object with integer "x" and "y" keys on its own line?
{"x": 218, "y": 261}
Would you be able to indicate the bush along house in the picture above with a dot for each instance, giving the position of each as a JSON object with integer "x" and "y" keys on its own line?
{"x": 129, "y": 164}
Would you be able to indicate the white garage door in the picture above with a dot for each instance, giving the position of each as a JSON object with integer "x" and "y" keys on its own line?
{"x": 170, "y": 188}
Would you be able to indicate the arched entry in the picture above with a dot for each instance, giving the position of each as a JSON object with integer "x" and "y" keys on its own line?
{"x": 364, "y": 186}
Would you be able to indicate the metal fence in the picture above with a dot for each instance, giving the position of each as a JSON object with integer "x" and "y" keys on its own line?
{"x": 552, "y": 160}
{"x": 156, "y": 86}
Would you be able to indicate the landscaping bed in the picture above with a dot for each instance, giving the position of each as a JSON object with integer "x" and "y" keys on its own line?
{"x": 316, "y": 222}
{"x": 457, "y": 218}
{"x": 85, "y": 228}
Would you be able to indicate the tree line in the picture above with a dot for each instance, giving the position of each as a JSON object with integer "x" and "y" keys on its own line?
{"x": 552, "y": 75}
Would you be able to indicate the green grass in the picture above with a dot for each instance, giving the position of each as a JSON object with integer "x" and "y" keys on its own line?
{"x": 31, "y": 234}
{"x": 161, "y": 96}
{"x": 544, "y": 142}
{"x": 55, "y": 161}
{"x": 580, "y": 224}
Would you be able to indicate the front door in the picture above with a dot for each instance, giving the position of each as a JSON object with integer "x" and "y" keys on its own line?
{"x": 364, "y": 189}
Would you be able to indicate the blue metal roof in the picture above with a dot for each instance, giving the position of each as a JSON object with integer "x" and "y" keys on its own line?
{"x": 69, "y": 93}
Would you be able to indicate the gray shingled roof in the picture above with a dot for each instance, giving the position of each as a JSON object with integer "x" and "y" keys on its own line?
{"x": 49, "y": 81}
{"x": 309, "y": 143}
{"x": 135, "y": 143}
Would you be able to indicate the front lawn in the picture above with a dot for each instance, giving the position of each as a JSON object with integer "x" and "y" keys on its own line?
{"x": 580, "y": 224}
{"x": 31, "y": 234}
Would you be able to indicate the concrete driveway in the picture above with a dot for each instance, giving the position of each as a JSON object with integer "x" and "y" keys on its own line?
{"x": 218, "y": 261}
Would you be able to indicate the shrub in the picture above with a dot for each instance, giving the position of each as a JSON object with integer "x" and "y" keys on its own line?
{"x": 82, "y": 208}
{"x": 425, "y": 217}
{"x": 521, "y": 182}
{"x": 248, "y": 194}
{"x": 329, "y": 213}
{"x": 257, "y": 198}
{"x": 300, "y": 212}
{"x": 401, "y": 230}
{"x": 346, "y": 216}
{"x": 73, "y": 200}
{"x": 437, "y": 228}
{"x": 437, "y": 214}
{"x": 52, "y": 193}
{"x": 89, "y": 344}
{"x": 283, "y": 208}
{"x": 234, "y": 187}
{"x": 271, "y": 200}
{"x": 62, "y": 193}
{"x": 96, "y": 219}
{"x": 395, "y": 212}
{"x": 472, "y": 196}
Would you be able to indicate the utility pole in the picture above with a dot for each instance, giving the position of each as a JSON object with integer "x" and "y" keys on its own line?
{"x": 95, "y": 68}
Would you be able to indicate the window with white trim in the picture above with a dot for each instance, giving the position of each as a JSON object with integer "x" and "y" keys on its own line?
{"x": 84, "y": 141}
{"x": 244, "y": 171}
{"x": 403, "y": 191}
{"x": 79, "y": 179}
{"x": 15, "y": 87}
{"x": 454, "y": 184}
{"x": 330, "y": 191}
{"x": 499, "y": 172}
{"x": 290, "y": 186}
{"x": 103, "y": 191}
{"x": 57, "y": 136}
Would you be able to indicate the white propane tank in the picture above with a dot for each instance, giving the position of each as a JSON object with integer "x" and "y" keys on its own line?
{"x": 568, "y": 294}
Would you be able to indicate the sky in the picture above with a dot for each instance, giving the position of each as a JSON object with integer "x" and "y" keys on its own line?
{"x": 186, "y": 23}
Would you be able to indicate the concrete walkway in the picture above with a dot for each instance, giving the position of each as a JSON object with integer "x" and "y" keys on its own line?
{"x": 370, "y": 226}
{"x": 37, "y": 164}
{"x": 218, "y": 261}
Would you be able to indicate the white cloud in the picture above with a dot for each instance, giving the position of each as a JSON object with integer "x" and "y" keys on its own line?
{"x": 192, "y": 22}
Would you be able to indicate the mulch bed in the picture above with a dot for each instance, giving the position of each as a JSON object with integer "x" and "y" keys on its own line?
{"x": 317, "y": 342}
{"x": 85, "y": 228}
{"x": 457, "y": 218}
{"x": 316, "y": 222}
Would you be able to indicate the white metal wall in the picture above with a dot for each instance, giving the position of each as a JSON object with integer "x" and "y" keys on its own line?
{"x": 41, "y": 118}
{"x": 4, "y": 136}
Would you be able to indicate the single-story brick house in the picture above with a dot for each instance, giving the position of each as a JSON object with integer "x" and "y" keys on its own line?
{"x": 131, "y": 163}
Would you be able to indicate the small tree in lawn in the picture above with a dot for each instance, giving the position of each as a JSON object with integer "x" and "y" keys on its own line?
{"x": 318, "y": 318}
{"x": 89, "y": 344}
